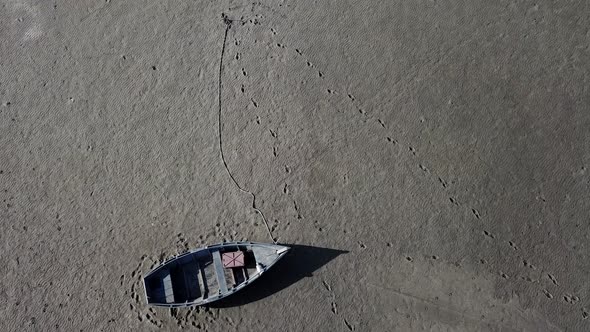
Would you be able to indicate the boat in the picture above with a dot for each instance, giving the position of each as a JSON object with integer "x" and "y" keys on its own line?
{"x": 209, "y": 274}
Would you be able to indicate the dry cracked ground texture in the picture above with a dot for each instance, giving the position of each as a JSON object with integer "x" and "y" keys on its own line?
{"x": 445, "y": 145}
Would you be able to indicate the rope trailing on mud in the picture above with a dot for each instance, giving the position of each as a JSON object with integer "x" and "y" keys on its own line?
{"x": 228, "y": 24}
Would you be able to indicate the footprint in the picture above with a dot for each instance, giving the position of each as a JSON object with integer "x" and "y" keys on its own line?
{"x": 571, "y": 299}
{"x": 552, "y": 278}
{"x": 546, "y": 292}
{"x": 513, "y": 245}
{"x": 299, "y": 216}
{"x": 181, "y": 243}
{"x": 316, "y": 224}
{"x": 528, "y": 264}
{"x": 348, "y": 325}
{"x": 334, "y": 308}
{"x": 276, "y": 224}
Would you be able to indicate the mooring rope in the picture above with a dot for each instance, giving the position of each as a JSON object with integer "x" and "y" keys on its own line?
{"x": 228, "y": 24}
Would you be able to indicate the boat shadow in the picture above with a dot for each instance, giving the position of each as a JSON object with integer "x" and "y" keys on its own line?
{"x": 300, "y": 262}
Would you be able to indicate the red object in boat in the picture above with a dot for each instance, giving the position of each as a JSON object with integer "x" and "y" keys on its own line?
{"x": 233, "y": 259}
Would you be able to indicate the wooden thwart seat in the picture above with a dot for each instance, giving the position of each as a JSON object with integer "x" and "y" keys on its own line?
{"x": 168, "y": 291}
{"x": 202, "y": 281}
{"x": 219, "y": 271}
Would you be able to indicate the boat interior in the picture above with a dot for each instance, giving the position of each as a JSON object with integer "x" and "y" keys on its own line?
{"x": 198, "y": 276}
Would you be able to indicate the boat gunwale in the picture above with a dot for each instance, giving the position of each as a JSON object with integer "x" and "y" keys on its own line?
{"x": 217, "y": 296}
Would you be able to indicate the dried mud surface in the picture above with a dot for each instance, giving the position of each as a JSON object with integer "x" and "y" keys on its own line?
{"x": 429, "y": 158}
